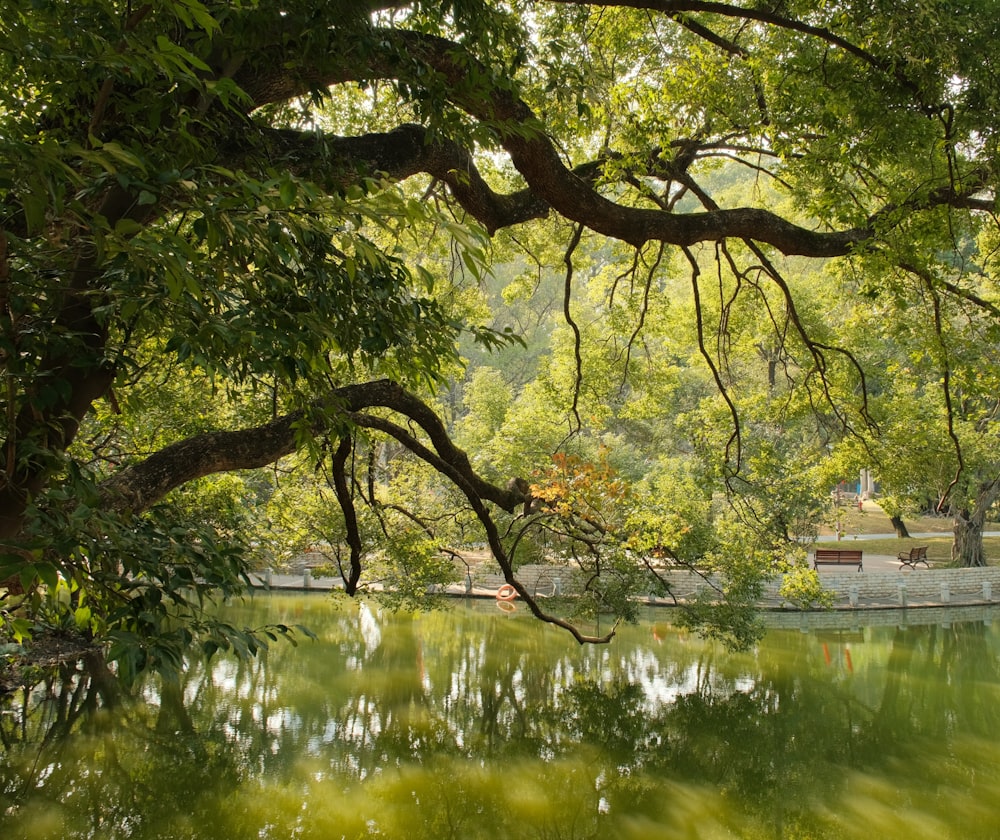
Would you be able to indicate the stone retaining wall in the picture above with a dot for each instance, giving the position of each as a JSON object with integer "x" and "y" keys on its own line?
{"x": 942, "y": 586}
{"x": 851, "y": 590}
{"x": 900, "y": 589}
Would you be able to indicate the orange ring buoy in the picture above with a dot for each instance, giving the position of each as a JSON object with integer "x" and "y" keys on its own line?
{"x": 506, "y": 606}
{"x": 506, "y": 593}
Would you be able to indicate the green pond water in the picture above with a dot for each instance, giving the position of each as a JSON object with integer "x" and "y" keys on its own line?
{"x": 472, "y": 723}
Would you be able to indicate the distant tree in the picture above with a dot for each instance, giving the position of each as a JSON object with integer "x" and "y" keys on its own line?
{"x": 932, "y": 385}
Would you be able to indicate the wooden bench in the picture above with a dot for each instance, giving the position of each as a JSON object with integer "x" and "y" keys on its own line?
{"x": 837, "y": 557}
{"x": 913, "y": 556}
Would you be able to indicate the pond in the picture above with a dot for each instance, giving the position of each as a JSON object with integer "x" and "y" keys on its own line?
{"x": 473, "y": 723}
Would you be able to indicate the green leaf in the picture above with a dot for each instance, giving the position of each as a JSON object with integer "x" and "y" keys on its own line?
{"x": 82, "y": 616}
{"x": 20, "y": 629}
{"x": 122, "y": 155}
{"x": 192, "y": 11}
{"x": 127, "y": 227}
{"x": 183, "y": 59}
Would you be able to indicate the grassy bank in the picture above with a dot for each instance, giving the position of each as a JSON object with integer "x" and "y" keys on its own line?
{"x": 872, "y": 520}
{"x": 938, "y": 548}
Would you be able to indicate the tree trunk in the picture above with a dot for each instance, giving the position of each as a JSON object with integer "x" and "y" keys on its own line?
{"x": 899, "y": 526}
{"x": 967, "y": 550}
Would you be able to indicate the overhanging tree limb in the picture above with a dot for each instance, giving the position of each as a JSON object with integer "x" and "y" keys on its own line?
{"x": 519, "y": 131}
{"x": 551, "y": 183}
{"x": 140, "y": 485}
{"x": 135, "y": 487}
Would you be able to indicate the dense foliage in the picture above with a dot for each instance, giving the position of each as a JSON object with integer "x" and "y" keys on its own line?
{"x": 242, "y": 235}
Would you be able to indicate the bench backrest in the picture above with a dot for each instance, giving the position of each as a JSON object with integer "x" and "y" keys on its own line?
{"x": 838, "y": 555}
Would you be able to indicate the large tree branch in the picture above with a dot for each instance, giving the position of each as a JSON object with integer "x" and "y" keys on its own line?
{"x": 401, "y": 153}
{"x": 140, "y": 485}
{"x": 550, "y": 181}
{"x": 470, "y": 485}
{"x": 136, "y": 487}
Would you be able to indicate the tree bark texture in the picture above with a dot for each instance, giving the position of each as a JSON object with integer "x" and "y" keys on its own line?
{"x": 136, "y": 487}
{"x": 969, "y": 524}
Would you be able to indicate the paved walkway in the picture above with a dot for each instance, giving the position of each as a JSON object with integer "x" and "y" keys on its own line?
{"x": 870, "y": 562}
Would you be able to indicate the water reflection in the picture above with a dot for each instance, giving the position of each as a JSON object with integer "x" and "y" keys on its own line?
{"x": 470, "y": 723}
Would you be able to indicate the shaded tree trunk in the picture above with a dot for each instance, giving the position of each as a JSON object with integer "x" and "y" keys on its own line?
{"x": 899, "y": 526}
{"x": 967, "y": 550}
{"x": 970, "y": 521}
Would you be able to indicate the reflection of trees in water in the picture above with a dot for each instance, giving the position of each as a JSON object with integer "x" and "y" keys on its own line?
{"x": 95, "y": 760}
{"x": 36, "y": 722}
{"x": 938, "y": 677}
{"x": 492, "y": 712}
{"x": 63, "y": 697}
{"x": 763, "y": 744}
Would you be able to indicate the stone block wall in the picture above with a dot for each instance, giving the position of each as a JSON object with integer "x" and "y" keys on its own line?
{"x": 904, "y": 588}
{"x": 911, "y": 586}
